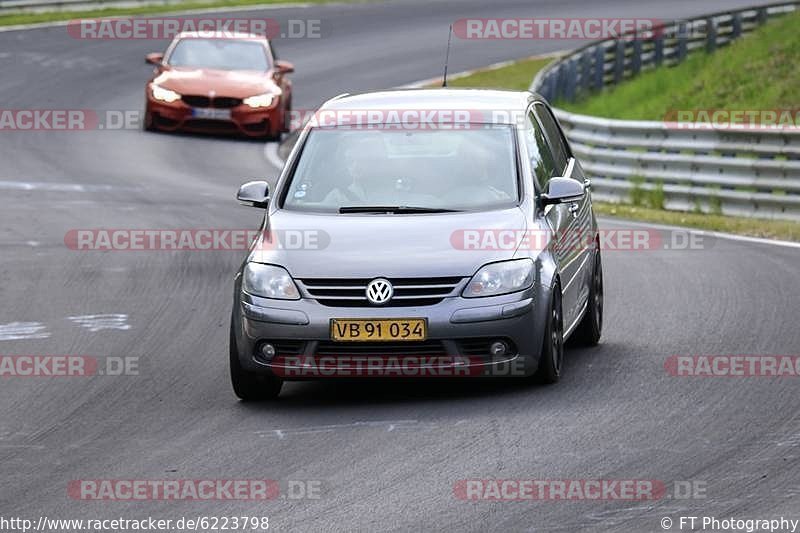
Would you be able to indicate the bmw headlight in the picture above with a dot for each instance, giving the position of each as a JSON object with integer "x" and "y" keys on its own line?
{"x": 500, "y": 278}
{"x": 269, "y": 281}
{"x": 261, "y": 100}
{"x": 165, "y": 95}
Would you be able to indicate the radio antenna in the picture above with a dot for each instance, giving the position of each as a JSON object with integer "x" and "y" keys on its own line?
{"x": 447, "y": 56}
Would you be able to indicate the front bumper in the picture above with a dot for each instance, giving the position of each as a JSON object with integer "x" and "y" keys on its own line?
{"x": 458, "y": 329}
{"x": 244, "y": 120}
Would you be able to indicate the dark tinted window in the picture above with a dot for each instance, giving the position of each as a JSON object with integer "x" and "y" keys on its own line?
{"x": 541, "y": 160}
{"x": 221, "y": 54}
{"x": 560, "y": 151}
{"x": 462, "y": 169}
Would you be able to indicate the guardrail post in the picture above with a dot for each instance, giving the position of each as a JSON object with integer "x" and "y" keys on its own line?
{"x": 599, "y": 66}
{"x": 619, "y": 61}
{"x": 682, "y": 40}
{"x": 658, "y": 50}
{"x": 636, "y": 58}
{"x": 762, "y": 16}
{"x": 552, "y": 79}
{"x": 586, "y": 71}
{"x": 553, "y": 85}
{"x": 558, "y": 85}
{"x": 571, "y": 81}
{"x": 711, "y": 35}
{"x": 545, "y": 88}
{"x": 736, "y": 26}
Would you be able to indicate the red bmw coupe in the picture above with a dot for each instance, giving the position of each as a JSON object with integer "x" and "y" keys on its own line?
{"x": 219, "y": 83}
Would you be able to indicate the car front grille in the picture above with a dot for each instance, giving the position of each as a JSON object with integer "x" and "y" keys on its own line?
{"x": 224, "y": 102}
{"x": 430, "y": 348}
{"x": 220, "y": 102}
{"x": 408, "y": 292}
{"x": 196, "y": 101}
{"x": 222, "y": 126}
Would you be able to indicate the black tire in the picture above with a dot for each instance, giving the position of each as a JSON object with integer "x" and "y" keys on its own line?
{"x": 551, "y": 360}
{"x": 248, "y": 386}
{"x": 591, "y": 327}
{"x": 148, "y": 122}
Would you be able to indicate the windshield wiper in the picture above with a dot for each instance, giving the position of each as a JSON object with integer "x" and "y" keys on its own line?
{"x": 401, "y": 209}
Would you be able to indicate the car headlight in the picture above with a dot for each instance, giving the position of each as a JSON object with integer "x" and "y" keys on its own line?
{"x": 269, "y": 281}
{"x": 261, "y": 100}
{"x": 165, "y": 95}
{"x": 500, "y": 278}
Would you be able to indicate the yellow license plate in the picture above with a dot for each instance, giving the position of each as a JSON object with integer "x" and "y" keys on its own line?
{"x": 395, "y": 329}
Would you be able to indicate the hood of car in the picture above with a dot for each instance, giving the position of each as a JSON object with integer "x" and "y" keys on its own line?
{"x": 234, "y": 84}
{"x": 369, "y": 245}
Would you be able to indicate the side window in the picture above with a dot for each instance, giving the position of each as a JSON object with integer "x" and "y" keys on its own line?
{"x": 554, "y": 139}
{"x": 541, "y": 159}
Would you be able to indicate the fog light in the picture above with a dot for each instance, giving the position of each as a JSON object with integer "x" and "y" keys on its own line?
{"x": 267, "y": 351}
{"x": 498, "y": 348}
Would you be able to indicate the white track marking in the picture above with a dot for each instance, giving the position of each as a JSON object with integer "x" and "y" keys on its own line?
{"x": 59, "y": 187}
{"x": 389, "y": 425}
{"x": 16, "y": 331}
{"x": 719, "y": 235}
{"x": 95, "y": 323}
{"x": 271, "y": 153}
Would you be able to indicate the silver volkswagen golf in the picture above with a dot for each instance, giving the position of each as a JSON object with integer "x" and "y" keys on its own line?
{"x": 427, "y": 233}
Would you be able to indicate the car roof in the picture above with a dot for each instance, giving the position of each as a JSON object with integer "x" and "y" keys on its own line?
{"x": 479, "y": 100}
{"x": 220, "y": 35}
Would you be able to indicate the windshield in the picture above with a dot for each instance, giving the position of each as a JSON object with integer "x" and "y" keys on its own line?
{"x": 221, "y": 54}
{"x": 443, "y": 169}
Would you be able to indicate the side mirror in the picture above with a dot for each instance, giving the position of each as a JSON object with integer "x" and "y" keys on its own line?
{"x": 154, "y": 59}
{"x": 563, "y": 191}
{"x": 254, "y": 193}
{"x": 283, "y": 67}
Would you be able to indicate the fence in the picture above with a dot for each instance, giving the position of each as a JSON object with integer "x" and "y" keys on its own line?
{"x": 737, "y": 172}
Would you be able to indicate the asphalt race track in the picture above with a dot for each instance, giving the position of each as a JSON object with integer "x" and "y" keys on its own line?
{"x": 386, "y": 455}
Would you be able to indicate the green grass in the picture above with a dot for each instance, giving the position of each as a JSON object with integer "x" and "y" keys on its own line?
{"x": 758, "y": 71}
{"x": 517, "y": 76}
{"x": 55, "y": 16}
{"x": 769, "y": 229}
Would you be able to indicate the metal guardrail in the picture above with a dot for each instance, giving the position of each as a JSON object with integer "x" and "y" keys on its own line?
{"x": 729, "y": 171}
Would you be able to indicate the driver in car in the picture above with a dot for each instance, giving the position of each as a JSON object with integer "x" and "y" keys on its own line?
{"x": 362, "y": 163}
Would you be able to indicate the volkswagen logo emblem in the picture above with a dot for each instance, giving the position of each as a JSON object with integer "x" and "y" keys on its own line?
{"x": 379, "y": 291}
